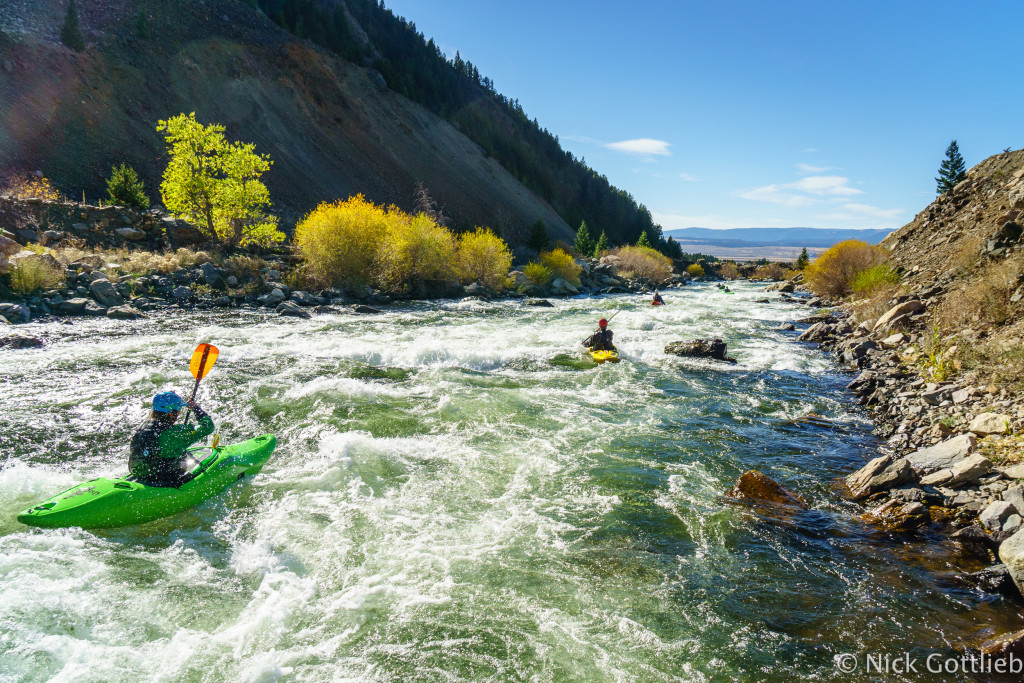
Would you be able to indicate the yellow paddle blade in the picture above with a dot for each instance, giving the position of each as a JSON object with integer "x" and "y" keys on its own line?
{"x": 203, "y": 359}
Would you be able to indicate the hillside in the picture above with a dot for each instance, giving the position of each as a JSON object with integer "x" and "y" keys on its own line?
{"x": 333, "y": 128}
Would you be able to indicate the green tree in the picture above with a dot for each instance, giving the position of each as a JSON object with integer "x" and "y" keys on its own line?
{"x": 538, "y": 239}
{"x": 70, "y": 33}
{"x": 602, "y": 245}
{"x": 141, "y": 27}
{"x": 802, "y": 260}
{"x": 215, "y": 184}
{"x": 672, "y": 249}
{"x": 644, "y": 240}
{"x": 124, "y": 188}
{"x": 584, "y": 244}
{"x": 952, "y": 170}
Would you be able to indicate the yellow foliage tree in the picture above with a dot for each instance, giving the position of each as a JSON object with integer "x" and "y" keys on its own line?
{"x": 833, "y": 273}
{"x": 561, "y": 264}
{"x": 695, "y": 270}
{"x": 339, "y": 242}
{"x": 485, "y": 258}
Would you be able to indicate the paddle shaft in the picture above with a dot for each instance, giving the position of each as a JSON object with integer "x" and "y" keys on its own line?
{"x": 199, "y": 378}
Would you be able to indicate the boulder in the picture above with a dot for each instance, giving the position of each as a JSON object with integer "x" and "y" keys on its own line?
{"x": 881, "y": 474}
{"x": 540, "y": 303}
{"x": 519, "y": 279}
{"x": 990, "y": 423}
{"x": 75, "y": 306}
{"x": 942, "y": 455}
{"x": 15, "y": 313}
{"x": 905, "y": 308}
{"x": 292, "y": 309}
{"x": 974, "y": 540}
{"x": 715, "y": 349}
{"x": 1015, "y": 496}
{"x": 93, "y": 308}
{"x": 275, "y": 297}
{"x": 995, "y": 579}
{"x": 816, "y": 332}
{"x": 899, "y": 516}
{"x": 231, "y": 281}
{"x": 365, "y": 309}
{"x": 88, "y": 263}
{"x": 1013, "y": 471}
{"x": 20, "y": 342}
{"x": 131, "y": 234}
{"x": 123, "y": 313}
{"x": 759, "y": 488}
{"x": 211, "y": 274}
{"x": 105, "y": 293}
{"x": 305, "y": 298}
{"x": 222, "y": 301}
{"x": 784, "y": 286}
{"x": 894, "y": 340}
{"x": 559, "y": 287}
{"x": 1011, "y": 553}
{"x": 182, "y": 293}
{"x": 967, "y": 470}
{"x": 786, "y": 327}
{"x": 996, "y": 514}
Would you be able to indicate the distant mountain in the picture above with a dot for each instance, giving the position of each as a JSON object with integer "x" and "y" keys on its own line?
{"x": 772, "y": 237}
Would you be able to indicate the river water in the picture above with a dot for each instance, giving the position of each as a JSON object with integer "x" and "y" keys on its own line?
{"x": 457, "y": 495}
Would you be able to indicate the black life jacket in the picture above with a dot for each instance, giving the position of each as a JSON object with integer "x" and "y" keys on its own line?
{"x": 145, "y": 463}
{"x": 602, "y": 340}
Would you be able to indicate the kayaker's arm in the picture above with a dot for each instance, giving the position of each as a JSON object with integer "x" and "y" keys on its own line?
{"x": 174, "y": 440}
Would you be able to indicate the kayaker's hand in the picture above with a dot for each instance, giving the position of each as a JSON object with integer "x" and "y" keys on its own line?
{"x": 192, "y": 404}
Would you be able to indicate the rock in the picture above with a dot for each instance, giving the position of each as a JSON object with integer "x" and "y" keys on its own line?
{"x": 180, "y": 233}
{"x": 222, "y": 301}
{"x": 20, "y": 342}
{"x": 542, "y": 303}
{"x": 974, "y": 540}
{"x": 1011, "y": 553}
{"x": 816, "y": 332}
{"x": 990, "y": 423}
{"x": 942, "y": 455}
{"x": 1004, "y": 650}
{"x": 123, "y": 313}
{"x": 1014, "y": 495}
{"x": 967, "y": 470}
{"x": 519, "y": 279}
{"x": 1012, "y": 523}
{"x": 305, "y": 298}
{"x": 290, "y": 308}
{"x": 231, "y": 281}
{"x": 275, "y": 297}
{"x": 15, "y": 313}
{"x": 899, "y": 516}
{"x": 960, "y": 396}
{"x": 759, "y": 488}
{"x": 1013, "y": 471}
{"x": 93, "y": 308}
{"x": 560, "y": 287}
{"x": 182, "y": 293}
{"x": 786, "y": 327}
{"x": 75, "y": 306}
{"x": 131, "y": 234}
{"x": 880, "y": 474}
{"x": 285, "y": 289}
{"x": 783, "y": 286}
{"x": 211, "y": 274}
{"x": 908, "y": 495}
{"x": 105, "y": 293}
{"x": 995, "y": 579}
{"x": 993, "y": 516}
{"x": 700, "y": 348}
{"x": 894, "y": 340}
{"x": 365, "y": 309}
{"x": 905, "y": 308}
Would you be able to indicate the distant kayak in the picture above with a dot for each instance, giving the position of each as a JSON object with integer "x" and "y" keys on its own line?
{"x": 605, "y": 356}
{"x": 105, "y": 503}
{"x": 657, "y": 303}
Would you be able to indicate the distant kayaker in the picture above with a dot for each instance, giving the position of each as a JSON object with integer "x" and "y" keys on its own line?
{"x": 601, "y": 340}
{"x": 158, "y": 456}
{"x": 658, "y": 301}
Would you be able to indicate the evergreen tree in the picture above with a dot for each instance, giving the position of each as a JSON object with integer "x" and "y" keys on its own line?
{"x": 952, "y": 170}
{"x": 802, "y": 260}
{"x": 141, "y": 28}
{"x": 125, "y": 189}
{"x": 644, "y": 241}
{"x": 70, "y": 33}
{"x": 672, "y": 249}
{"x": 585, "y": 244}
{"x": 538, "y": 239}
{"x": 602, "y": 245}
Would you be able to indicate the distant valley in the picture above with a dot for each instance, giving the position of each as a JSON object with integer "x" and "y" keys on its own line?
{"x": 774, "y": 244}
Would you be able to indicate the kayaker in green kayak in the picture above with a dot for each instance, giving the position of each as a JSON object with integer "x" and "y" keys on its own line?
{"x": 158, "y": 456}
{"x": 601, "y": 340}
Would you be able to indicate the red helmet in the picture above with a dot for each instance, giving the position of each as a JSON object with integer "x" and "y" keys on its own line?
{"x": 602, "y": 323}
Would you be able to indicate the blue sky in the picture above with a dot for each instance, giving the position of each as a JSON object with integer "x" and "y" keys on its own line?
{"x": 718, "y": 114}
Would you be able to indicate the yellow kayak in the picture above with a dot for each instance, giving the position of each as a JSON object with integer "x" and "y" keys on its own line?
{"x": 605, "y": 356}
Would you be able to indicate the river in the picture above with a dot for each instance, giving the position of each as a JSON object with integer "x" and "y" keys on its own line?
{"x": 457, "y": 495}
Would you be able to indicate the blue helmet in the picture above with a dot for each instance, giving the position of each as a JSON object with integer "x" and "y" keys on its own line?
{"x": 167, "y": 402}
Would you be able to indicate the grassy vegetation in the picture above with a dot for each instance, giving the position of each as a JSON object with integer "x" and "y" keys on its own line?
{"x": 986, "y": 299}
{"x": 833, "y": 273}
{"x": 729, "y": 270}
{"x": 29, "y": 275}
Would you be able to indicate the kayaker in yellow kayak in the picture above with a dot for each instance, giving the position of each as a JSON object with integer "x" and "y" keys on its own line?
{"x": 158, "y": 456}
{"x": 601, "y": 340}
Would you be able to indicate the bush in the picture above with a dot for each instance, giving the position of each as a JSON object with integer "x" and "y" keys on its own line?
{"x": 770, "y": 271}
{"x": 485, "y": 258}
{"x": 832, "y": 274}
{"x": 728, "y": 270}
{"x": 25, "y": 186}
{"x": 562, "y": 265}
{"x": 643, "y": 262}
{"x": 986, "y": 299}
{"x": 695, "y": 270}
{"x": 33, "y": 274}
{"x": 881, "y": 277}
{"x": 340, "y": 241}
{"x": 125, "y": 189}
{"x": 414, "y": 248}
{"x": 537, "y": 273}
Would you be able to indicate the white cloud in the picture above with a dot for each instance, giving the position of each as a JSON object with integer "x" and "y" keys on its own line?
{"x": 807, "y": 168}
{"x": 689, "y": 178}
{"x": 825, "y": 185}
{"x": 776, "y": 194}
{"x": 644, "y": 146}
{"x": 874, "y": 211}
{"x": 796, "y": 193}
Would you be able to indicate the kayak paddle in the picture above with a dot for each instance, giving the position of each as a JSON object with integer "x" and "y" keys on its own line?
{"x": 583, "y": 341}
{"x": 203, "y": 359}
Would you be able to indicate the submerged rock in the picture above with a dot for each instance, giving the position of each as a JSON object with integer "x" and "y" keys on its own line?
{"x": 896, "y": 515}
{"x": 20, "y": 342}
{"x": 290, "y": 308}
{"x": 700, "y": 348}
{"x": 365, "y": 309}
{"x": 541, "y": 303}
{"x": 123, "y": 313}
{"x": 760, "y": 488}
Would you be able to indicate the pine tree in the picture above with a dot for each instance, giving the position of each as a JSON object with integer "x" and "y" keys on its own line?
{"x": 802, "y": 260}
{"x": 585, "y": 244}
{"x": 538, "y": 239}
{"x": 952, "y": 170}
{"x": 125, "y": 189}
{"x": 602, "y": 245}
{"x": 644, "y": 241}
{"x": 70, "y": 33}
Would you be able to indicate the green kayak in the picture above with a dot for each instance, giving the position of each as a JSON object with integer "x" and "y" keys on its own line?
{"x": 103, "y": 503}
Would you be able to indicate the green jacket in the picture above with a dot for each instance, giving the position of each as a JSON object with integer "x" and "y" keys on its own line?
{"x": 158, "y": 455}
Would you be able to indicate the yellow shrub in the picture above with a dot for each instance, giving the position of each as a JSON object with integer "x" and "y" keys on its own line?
{"x": 537, "y": 273}
{"x": 414, "y": 248}
{"x": 645, "y": 262}
{"x": 31, "y": 186}
{"x": 33, "y": 274}
{"x": 770, "y": 271}
{"x": 832, "y": 274}
{"x": 561, "y": 264}
{"x": 485, "y": 258}
{"x": 695, "y": 270}
{"x": 340, "y": 241}
{"x": 728, "y": 270}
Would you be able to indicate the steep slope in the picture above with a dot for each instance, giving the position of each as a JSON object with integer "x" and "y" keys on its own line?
{"x": 332, "y": 128}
